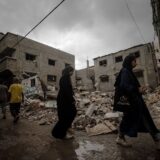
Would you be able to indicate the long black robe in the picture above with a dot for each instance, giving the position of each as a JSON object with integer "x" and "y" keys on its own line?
{"x": 65, "y": 106}
{"x": 138, "y": 119}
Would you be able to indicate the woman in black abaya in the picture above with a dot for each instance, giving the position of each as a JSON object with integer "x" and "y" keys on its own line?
{"x": 138, "y": 119}
{"x": 65, "y": 105}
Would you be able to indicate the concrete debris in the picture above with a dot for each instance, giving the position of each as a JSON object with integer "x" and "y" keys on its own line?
{"x": 91, "y": 109}
{"x": 94, "y": 111}
{"x": 98, "y": 129}
{"x": 50, "y": 104}
{"x": 112, "y": 115}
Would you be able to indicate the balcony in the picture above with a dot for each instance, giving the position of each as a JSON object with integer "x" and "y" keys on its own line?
{"x": 8, "y": 63}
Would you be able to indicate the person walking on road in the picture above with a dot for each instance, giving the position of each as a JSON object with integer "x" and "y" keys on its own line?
{"x": 16, "y": 98}
{"x": 3, "y": 98}
{"x": 138, "y": 118}
{"x": 65, "y": 106}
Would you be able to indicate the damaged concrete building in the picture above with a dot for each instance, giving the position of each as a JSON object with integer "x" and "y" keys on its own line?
{"x": 156, "y": 23}
{"x": 30, "y": 58}
{"x": 107, "y": 67}
{"x": 156, "y": 16}
{"x": 85, "y": 78}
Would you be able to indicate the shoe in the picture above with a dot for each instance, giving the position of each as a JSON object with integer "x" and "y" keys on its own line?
{"x": 68, "y": 136}
{"x": 157, "y": 143}
{"x": 122, "y": 142}
{"x": 70, "y": 132}
{"x": 157, "y": 137}
{"x": 16, "y": 119}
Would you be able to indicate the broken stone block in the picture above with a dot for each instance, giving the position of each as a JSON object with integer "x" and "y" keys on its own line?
{"x": 42, "y": 122}
{"x": 90, "y": 110}
{"x": 85, "y": 101}
{"x": 98, "y": 129}
{"x": 84, "y": 93}
{"x": 112, "y": 115}
{"x": 51, "y": 104}
{"x": 110, "y": 125}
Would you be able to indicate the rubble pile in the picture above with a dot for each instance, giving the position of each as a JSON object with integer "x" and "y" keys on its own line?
{"x": 35, "y": 110}
{"x": 153, "y": 102}
{"x": 94, "y": 111}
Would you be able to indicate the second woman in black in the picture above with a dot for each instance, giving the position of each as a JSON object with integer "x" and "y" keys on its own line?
{"x": 65, "y": 105}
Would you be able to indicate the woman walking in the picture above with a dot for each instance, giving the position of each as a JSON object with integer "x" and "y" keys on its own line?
{"x": 65, "y": 106}
{"x": 137, "y": 119}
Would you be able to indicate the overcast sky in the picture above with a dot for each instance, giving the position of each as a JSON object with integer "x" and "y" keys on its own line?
{"x": 84, "y": 28}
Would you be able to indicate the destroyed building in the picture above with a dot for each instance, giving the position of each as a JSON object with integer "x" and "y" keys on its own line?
{"x": 30, "y": 58}
{"x": 156, "y": 16}
{"x": 108, "y": 66}
{"x": 156, "y": 23}
{"x": 85, "y": 78}
{"x": 157, "y": 53}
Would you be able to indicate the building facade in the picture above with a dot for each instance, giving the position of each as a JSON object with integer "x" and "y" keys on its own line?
{"x": 156, "y": 16}
{"x": 30, "y": 58}
{"x": 156, "y": 23}
{"x": 107, "y": 67}
{"x": 85, "y": 78}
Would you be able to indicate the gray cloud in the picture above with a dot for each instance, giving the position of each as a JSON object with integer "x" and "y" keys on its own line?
{"x": 85, "y": 28}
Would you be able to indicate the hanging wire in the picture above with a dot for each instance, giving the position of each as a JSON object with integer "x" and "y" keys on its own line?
{"x": 37, "y": 24}
{"x": 134, "y": 20}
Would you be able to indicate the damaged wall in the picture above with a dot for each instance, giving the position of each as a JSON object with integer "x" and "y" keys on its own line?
{"x": 85, "y": 78}
{"x": 107, "y": 67}
{"x": 31, "y": 57}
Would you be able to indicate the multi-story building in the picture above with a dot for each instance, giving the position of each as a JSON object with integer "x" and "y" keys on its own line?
{"x": 33, "y": 58}
{"x": 85, "y": 78}
{"x": 107, "y": 67}
{"x": 156, "y": 16}
{"x": 1, "y": 35}
{"x": 156, "y": 23}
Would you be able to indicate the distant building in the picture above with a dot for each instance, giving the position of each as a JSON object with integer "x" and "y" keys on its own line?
{"x": 156, "y": 16}
{"x": 1, "y": 35}
{"x": 30, "y": 58}
{"x": 156, "y": 23}
{"x": 107, "y": 67}
{"x": 85, "y": 78}
{"x": 157, "y": 53}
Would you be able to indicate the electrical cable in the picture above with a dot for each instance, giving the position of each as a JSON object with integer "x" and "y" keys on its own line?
{"x": 37, "y": 24}
{"x": 134, "y": 20}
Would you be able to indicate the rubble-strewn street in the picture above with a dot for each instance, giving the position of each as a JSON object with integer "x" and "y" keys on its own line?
{"x": 30, "y": 141}
{"x": 94, "y": 111}
{"x": 80, "y": 80}
{"x": 95, "y": 126}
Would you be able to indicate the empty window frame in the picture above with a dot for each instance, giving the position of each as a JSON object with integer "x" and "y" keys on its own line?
{"x": 118, "y": 59}
{"x": 103, "y": 62}
{"x": 33, "y": 82}
{"x": 30, "y": 57}
{"x": 138, "y": 74}
{"x": 51, "y": 62}
{"x": 51, "y": 78}
{"x": 67, "y": 64}
{"x": 7, "y": 52}
{"x": 104, "y": 78}
{"x": 137, "y": 54}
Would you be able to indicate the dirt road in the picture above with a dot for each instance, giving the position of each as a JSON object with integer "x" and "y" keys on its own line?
{"x": 30, "y": 141}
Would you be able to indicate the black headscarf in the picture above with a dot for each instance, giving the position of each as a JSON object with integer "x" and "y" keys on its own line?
{"x": 127, "y": 63}
{"x": 66, "y": 71}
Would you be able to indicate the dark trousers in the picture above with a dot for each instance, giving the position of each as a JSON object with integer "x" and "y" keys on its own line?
{"x": 15, "y": 109}
{"x": 65, "y": 120}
